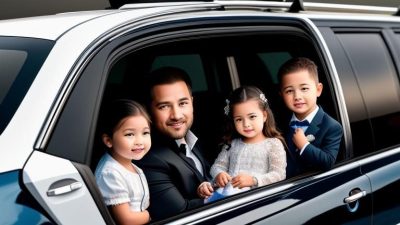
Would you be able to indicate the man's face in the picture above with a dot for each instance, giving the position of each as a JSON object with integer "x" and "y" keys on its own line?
{"x": 172, "y": 108}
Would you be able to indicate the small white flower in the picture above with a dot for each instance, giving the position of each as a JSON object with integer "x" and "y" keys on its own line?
{"x": 310, "y": 138}
{"x": 263, "y": 98}
{"x": 226, "y": 108}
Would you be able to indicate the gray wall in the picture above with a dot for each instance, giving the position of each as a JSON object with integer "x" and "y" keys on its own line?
{"x": 25, "y": 8}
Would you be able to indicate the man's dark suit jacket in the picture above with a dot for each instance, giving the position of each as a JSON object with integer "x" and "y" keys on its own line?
{"x": 321, "y": 153}
{"x": 172, "y": 180}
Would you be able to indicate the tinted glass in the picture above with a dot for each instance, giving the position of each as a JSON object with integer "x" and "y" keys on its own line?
{"x": 379, "y": 86}
{"x": 196, "y": 60}
{"x": 191, "y": 63}
{"x": 11, "y": 62}
{"x": 20, "y": 60}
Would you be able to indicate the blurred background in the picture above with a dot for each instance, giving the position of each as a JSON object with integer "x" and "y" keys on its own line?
{"x": 14, "y": 9}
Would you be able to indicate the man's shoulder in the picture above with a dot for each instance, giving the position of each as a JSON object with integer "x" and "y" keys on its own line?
{"x": 151, "y": 160}
{"x": 159, "y": 151}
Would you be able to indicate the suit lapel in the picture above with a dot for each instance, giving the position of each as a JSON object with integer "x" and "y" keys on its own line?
{"x": 204, "y": 163}
{"x": 185, "y": 161}
{"x": 314, "y": 125}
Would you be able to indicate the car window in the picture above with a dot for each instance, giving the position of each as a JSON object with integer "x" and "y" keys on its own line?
{"x": 379, "y": 88}
{"x": 209, "y": 61}
{"x": 209, "y": 82}
{"x": 10, "y": 65}
{"x": 20, "y": 60}
{"x": 257, "y": 63}
{"x": 273, "y": 61}
{"x": 191, "y": 63}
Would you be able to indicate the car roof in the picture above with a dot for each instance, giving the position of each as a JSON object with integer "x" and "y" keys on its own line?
{"x": 38, "y": 27}
{"x": 51, "y": 27}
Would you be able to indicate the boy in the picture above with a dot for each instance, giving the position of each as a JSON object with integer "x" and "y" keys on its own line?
{"x": 314, "y": 137}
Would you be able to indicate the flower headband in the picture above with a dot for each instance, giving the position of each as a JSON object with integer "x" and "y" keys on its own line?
{"x": 226, "y": 108}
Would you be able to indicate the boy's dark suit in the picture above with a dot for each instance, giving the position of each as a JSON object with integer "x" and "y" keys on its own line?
{"x": 172, "y": 180}
{"x": 321, "y": 153}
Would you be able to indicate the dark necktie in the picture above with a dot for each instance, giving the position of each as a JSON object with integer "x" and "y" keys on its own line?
{"x": 182, "y": 149}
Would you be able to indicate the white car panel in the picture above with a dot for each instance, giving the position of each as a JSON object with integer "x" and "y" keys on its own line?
{"x": 21, "y": 132}
{"x": 64, "y": 203}
{"x": 46, "y": 27}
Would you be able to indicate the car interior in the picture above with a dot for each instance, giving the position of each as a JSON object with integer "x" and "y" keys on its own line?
{"x": 216, "y": 64}
{"x": 212, "y": 64}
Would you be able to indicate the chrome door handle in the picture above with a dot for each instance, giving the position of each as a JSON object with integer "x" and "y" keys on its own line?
{"x": 355, "y": 197}
{"x": 63, "y": 187}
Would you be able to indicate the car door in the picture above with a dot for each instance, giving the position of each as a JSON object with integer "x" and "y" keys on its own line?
{"x": 373, "y": 109}
{"x": 342, "y": 194}
{"x": 58, "y": 186}
{"x": 382, "y": 171}
{"x": 313, "y": 200}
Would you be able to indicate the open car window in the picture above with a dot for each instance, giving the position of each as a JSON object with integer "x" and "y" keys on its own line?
{"x": 217, "y": 60}
{"x": 217, "y": 65}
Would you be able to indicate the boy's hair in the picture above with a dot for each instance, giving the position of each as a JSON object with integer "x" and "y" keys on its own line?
{"x": 117, "y": 110}
{"x": 243, "y": 94}
{"x": 297, "y": 64}
{"x": 167, "y": 75}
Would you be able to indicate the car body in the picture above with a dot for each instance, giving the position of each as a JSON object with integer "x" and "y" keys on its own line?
{"x": 57, "y": 71}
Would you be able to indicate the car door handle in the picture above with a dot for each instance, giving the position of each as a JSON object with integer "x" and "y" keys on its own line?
{"x": 63, "y": 187}
{"x": 355, "y": 195}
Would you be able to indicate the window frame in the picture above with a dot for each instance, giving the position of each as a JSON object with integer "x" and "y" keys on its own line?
{"x": 95, "y": 74}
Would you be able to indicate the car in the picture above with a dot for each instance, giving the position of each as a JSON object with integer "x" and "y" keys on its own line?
{"x": 58, "y": 70}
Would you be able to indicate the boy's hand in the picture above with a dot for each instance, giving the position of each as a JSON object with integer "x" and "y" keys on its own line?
{"x": 242, "y": 180}
{"x": 299, "y": 139}
{"x": 222, "y": 179}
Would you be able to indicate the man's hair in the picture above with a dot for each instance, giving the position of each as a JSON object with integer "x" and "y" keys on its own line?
{"x": 167, "y": 75}
{"x": 298, "y": 64}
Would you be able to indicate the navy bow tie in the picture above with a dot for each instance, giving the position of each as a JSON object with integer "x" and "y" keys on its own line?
{"x": 296, "y": 123}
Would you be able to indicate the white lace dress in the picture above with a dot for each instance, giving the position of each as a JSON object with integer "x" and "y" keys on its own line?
{"x": 265, "y": 160}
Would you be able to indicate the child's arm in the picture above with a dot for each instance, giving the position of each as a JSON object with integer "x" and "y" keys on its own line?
{"x": 221, "y": 164}
{"x": 123, "y": 215}
{"x": 276, "y": 165}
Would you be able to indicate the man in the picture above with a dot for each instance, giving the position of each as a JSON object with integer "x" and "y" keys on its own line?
{"x": 174, "y": 166}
